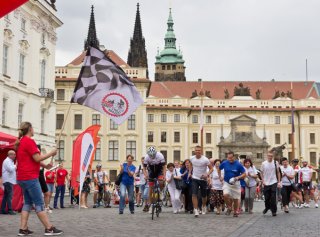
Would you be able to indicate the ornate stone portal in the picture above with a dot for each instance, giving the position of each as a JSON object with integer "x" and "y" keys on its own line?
{"x": 244, "y": 141}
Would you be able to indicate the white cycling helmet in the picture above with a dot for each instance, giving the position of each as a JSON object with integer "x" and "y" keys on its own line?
{"x": 98, "y": 165}
{"x": 152, "y": 152}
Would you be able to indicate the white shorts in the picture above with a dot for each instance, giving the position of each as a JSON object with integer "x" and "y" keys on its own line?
{"x": 234, "y": 191}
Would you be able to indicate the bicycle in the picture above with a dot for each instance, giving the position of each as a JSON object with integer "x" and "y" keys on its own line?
{"x": 156, "y": 201}
{"x": 103, "y": 195}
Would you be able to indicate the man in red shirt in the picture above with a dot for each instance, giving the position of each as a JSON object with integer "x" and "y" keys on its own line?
{"x": 50, "y": 177}
{"x": 61, "y": 176}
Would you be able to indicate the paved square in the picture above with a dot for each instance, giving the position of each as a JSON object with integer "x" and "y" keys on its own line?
{"x": 107, "y": 222}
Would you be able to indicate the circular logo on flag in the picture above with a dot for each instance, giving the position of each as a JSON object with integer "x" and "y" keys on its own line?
{"x": 115, "y": 104}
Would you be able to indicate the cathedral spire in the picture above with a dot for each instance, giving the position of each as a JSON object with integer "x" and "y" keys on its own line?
{"x": 92, "y": 39}
{"x": 137, "y": 56}
{"x": 137, "y": 34}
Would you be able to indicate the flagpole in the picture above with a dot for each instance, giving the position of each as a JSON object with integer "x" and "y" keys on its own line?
{"x": 201, "y": 118}
{"x": 292, "y": 127}
{"x": 62, "y": 128}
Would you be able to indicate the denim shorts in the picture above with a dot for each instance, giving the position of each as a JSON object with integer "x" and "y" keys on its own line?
{"x": 50, "y": 188}
{"x": 32, "y": 194}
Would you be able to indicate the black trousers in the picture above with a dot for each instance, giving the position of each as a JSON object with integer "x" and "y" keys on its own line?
{"x": 188, "y": 198}
{"x": 285, "y": 193}
{"x": 270, "y": 197}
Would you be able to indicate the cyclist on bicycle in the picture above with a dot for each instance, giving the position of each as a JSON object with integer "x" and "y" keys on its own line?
{"x": 154, "y": 168}
{"x": 100, "y": 189}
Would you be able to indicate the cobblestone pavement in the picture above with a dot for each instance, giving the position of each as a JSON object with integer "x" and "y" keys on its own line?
{"x": 107, "y": 222}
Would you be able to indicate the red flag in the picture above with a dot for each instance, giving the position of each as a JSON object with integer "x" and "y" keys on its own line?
{"x": 6, "y": 6}
{"x": 83, "y": 152}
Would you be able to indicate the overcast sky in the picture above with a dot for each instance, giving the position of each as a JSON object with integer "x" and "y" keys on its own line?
{"x": 220, "y": 39}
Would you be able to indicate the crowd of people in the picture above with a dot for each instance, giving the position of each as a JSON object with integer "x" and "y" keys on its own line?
{"x": 197, "y": 185}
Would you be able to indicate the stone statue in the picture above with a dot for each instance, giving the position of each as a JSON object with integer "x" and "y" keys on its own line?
{"x": 258, "y": 94}
{"x": 194, "y": 94}
{"x": 278, "y": 151}
{"x": 276, "y": 95}
{"x": 242, "y": 91}
{"x": 226, "y": 94}
{"x": 208, "y": 94}
{"x": 289, "y": 94}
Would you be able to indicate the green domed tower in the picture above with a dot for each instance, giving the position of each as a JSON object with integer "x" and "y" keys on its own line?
{"x": 169, "y": 62}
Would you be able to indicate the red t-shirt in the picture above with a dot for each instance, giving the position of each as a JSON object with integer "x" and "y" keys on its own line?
{"x": 27, "y": 167}
{"x": 50, "y": 180}
{"x": 61, "y": 176}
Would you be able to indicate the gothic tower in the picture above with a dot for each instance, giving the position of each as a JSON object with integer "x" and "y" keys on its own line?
{"x": 169, "y": 62}
{"x": 137, "y": 56}
{"x": 92, "y": 34}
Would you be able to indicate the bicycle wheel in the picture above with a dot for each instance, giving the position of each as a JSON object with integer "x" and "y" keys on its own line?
{"x": 158, "y": 210}
{"x": 153, "y": 209}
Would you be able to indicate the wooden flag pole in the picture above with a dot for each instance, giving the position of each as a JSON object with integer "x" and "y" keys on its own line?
{"x": 62, "y": 128}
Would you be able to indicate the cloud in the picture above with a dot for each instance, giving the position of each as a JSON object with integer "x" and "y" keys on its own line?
{"x": 220, "y": 39}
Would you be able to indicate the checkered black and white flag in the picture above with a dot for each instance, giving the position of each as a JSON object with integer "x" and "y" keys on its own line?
{"x": 104, "y": 86}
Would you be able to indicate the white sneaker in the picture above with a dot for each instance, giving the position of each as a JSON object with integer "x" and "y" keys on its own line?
{"x": 316, "y": 205}
{"x": 150, "y": 209}
{"x": 196, "y": 212}
{"x": 295, "y": 205}
{"x": 175, "y": 212}
{"x": 47, "y": 209}
{"x": 204, "y": 210}
{"x": 306, "y": 205}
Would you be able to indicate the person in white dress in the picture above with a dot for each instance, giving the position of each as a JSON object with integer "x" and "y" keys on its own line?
{"x": 251, "y": 183}
{"x": 171, "y": 175}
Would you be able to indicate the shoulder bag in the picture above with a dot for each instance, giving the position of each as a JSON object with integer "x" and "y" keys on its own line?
{"x": 180, "y": 184}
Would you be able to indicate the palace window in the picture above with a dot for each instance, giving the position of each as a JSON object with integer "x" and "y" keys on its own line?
{"x": 176, "y": 136}
{"x": 311, "y": 119}
{"x": 60, "y": 94}
{"x": 113, "y": 125}
{"x": 177, "y": 118}
{"x": 132, "y": 122}
{"x": 150, "y": 118}
{"x": 78, "y": 121}
{"x": 277, "y": 138}
{"x": 194, "y": 137}
{"x": 131, "y": 148}
{"x": 312, "y": 138}
{"x": 176, "y": 155}
{"x": 208, "y": 138}
{"x": 113, "y": 150}
{"x": 95, "y": 119}
{"x": 163, "y": 118}
{"x": 163, "y": 137}
{"x": 194, "y": 118}
{"x": 5, "y": 60}
{"x": 150, "y": 136}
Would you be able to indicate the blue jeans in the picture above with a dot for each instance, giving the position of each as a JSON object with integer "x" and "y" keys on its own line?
{"x": 144, "y": 189}
{"x": 32, "y": 194}
{"x": 123, "y": 189}
{"x": 60, "y": 189}
{"x": 7, "y": 197}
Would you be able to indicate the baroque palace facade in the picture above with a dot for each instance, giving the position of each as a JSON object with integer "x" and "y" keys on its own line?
{"x": 27, "y": 69}
{"x": 246, "y": 117}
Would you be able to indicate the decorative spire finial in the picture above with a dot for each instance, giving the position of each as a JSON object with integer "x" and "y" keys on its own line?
{"x": 92, "y": 39}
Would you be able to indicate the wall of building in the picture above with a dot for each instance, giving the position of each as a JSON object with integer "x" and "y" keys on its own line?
{"x": 29, "y": 31}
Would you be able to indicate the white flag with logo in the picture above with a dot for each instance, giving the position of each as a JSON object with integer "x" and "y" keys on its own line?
{"x": 104, "y": 86}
